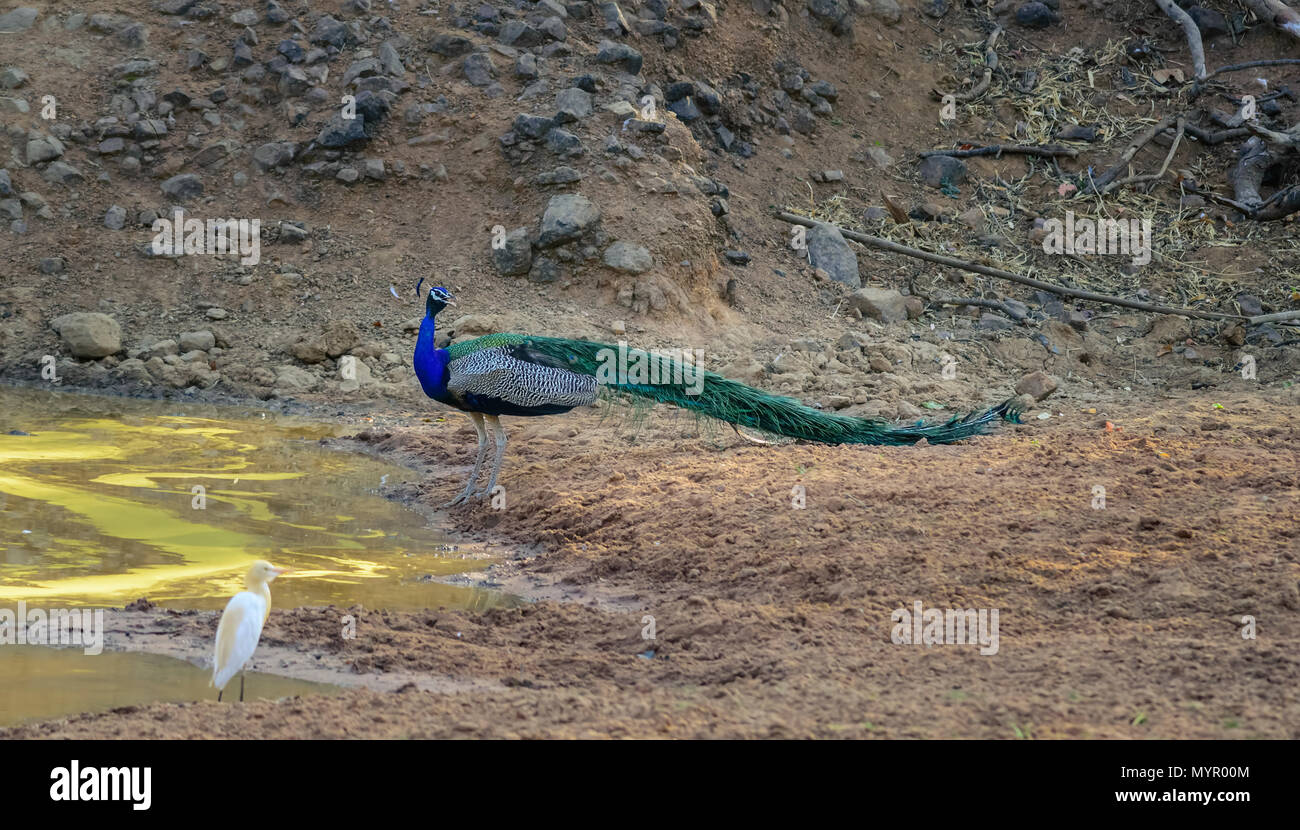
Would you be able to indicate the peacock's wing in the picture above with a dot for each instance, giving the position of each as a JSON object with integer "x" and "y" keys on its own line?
{"x": 513, "y": 376}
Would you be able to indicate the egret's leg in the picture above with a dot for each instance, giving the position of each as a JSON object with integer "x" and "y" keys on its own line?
{"x": 219, "y": 691}
{"x": 500, "y": 432}
{"x": 478, "y": 461}
{"x": 241, "y": 685}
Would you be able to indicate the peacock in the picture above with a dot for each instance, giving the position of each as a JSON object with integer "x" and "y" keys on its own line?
{"x": 527, "y": 375}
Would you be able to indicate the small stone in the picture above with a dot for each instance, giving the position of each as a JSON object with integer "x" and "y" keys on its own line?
{"x": 190, "y": 341}
{"x": 182, "y": 187}
{"x": 828, "y": 250}
{"x": 89, "y": 334}
{"x": 883, "y": 304}
{"x": 1036, "y": 384}
{"x": 620, "y": 55}
{"x": 940, "y": 171}
{"x": 567, "y": 217}
{"x": 115, "y": 218}
{"x": 516, "y": 256}
{"x": 628, "y": 257}
{"x": 1036, "y": 16}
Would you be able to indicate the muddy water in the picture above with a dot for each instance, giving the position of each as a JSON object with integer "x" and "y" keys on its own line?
{"x": 103, "y": 501}
{"x": 43, "y": 683}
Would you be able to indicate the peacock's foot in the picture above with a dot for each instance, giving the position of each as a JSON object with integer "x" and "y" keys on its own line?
{"x": 464, "y": 497}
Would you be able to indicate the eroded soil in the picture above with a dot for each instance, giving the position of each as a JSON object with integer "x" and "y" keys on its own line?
{"x": 771, "y": 621}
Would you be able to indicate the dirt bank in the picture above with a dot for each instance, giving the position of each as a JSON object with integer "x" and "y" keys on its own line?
{"x": 774, "y": 621}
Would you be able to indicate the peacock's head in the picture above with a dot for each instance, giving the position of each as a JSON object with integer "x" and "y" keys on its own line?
{"x": 437, "y": 299}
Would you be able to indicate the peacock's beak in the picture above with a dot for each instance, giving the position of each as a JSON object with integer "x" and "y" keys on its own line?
{"x": 450, "y": 302}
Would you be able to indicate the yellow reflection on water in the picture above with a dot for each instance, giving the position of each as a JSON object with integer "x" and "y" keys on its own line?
{"x": 44, "y": 683}
{"x": 103, "y": 501}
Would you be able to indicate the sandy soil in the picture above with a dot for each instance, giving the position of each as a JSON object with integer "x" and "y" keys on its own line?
{"x": 775, "y": 622}
{"x": 770, "y": 621}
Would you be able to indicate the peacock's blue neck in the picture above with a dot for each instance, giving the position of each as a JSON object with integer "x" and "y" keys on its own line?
{"x": 430, "y": 362}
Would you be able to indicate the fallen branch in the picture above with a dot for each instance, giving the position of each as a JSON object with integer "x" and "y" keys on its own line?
{"x": 1192, "y": 33}
{"x": 1279, "y": 14}
{"x": 1199, "y": 86}
{"x": 988, "y": 271}
{"x": 1206, "y": 137}
{"x": 990, "y": 66}
{"x": 1046, "y": 150}
{"x": 1151, "y": 177}
{"x": 1290, "y": 138}
{"x": 1101, "y": 184}
{"x": 1237, "y": 67}
{"x": 1254, "y": 159}
{"x": 1280, "y": 205}
{"x": 996, "y": 305}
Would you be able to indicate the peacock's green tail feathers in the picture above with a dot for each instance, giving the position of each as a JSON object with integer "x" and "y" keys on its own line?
{"x": 734, "y": 402}
{"x": 487, "y": 341}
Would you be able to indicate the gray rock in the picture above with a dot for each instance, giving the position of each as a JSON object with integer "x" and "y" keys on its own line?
{"x": 44, "y": 148}
{"x": 526, "y": 65}
{"x": 519, "y": 34}
{"x": 89, "y": 334}
{"x": 567, "y": 217}
{"x": 554, "y": 28}
{"x": 544, "y": 270}
{"x": 182, "y": 187}
{"x": 620, "y": 55}
{"x": 115, "y": 218}
{"x": 18, "y": 20}
{"x": 532, "y": 126}
{"x": 451, "y": 46}
{"x": 6, "y": 184}
{"x": 836, "y": 15}
{"x": 628, "y": 257}
{"x": 390, "y": 60}
{"x": 479, "y": 69}
{"x": 340, "y": 131}
{"x": 828, "y": 250}
{"x": 938, "y": 171}
{"x": 563, "y": 142}
{"x": 572, "y": 104}
{"x": 290, "y": 378}
{"x": 13, "y": 77}
{"x": 517, "y": 255}
{"x": 887, "y": 10}
{"x": 1036, "y": 384}
{"x": 272, "y": 155}
{"x": 1035, "y": 16}
{"x": 59, "y": 172}
{"x": 994, "y": 322}
{"x": 883, "y": 304}
{"x": 52, "y": 265}
{"x": 195, "y": 341}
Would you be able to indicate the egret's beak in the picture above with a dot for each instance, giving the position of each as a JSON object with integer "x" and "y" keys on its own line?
{"x": 281, "y": 571}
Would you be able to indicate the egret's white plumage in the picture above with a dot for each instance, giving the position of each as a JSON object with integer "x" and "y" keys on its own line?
{"x": 241, "y": 625}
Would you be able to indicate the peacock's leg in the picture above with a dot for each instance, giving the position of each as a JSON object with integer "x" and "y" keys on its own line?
{"x": 500, "y": 432}
{"x": 478, "y": 460}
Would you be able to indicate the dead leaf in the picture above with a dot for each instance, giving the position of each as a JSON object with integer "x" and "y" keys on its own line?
{"x": 896, "y": 211}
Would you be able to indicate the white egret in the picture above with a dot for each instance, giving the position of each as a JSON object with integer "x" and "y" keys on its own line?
{"x": 241, "y": 626}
